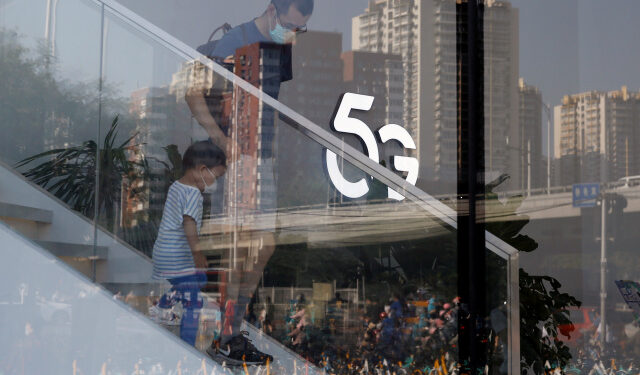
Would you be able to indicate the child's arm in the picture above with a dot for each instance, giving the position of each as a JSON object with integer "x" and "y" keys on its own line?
{"x": 191, "y": 232}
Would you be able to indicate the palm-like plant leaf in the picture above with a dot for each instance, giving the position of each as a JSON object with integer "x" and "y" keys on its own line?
{"x": 69, "y": 173}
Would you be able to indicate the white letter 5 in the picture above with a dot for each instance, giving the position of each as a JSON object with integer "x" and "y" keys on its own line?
{"x": 343, "y": 123}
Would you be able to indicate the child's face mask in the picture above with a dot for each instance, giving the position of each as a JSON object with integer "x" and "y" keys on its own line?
{"x": 208, "y": 189}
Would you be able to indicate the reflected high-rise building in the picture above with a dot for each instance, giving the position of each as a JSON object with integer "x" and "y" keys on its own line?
{"x": 424, "y": 34}
{"x": 530, "y": 163}
{"x": 379, "y": 75}
{"x": 159, "y": 118}
{"x": 394, "y": 27}
{"x": 317, "y": 76}
{"x": 596, "y": 136}
{"x": 313, "y": 92}
{"x": 252, "y": 185}
{"x": 245, "y": 119}
{"x": 501, "y": 93}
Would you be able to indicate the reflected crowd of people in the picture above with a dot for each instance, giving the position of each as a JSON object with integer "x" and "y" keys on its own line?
{"x": 618, "y": 354}
{"x": 404, "y": 333}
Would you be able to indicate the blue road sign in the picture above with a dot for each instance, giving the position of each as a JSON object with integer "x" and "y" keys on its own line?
{"x": 585, "y": 195}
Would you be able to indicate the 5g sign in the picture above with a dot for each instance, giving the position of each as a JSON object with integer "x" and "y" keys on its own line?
{"x": 341, "y": 122}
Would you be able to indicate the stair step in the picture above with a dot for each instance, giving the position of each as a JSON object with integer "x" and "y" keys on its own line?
{"x": 63, "y": 249}
{"x": 15, "y": 211}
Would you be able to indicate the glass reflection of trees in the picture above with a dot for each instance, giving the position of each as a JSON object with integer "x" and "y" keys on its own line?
{"x": 49, "y": 126}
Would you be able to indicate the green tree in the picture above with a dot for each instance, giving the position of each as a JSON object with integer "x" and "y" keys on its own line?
{"x": 26, "y": 90}
{"x": 40, "y": 110}
{"x": 542, "y": 304}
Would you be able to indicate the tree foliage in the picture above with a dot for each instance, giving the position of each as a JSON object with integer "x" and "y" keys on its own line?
{"x": 542, "y": 304}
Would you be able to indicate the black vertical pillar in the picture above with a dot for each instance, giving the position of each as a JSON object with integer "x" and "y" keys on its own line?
{"x": 471, "y": 237}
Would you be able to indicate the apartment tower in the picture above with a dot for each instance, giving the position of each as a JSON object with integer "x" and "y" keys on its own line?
{"x": 597, "y": 137}
{"x": 424, "y": 34}
{"x": 530, "y": 163}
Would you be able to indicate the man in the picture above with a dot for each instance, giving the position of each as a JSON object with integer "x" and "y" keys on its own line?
{"x": 279, "y": 24}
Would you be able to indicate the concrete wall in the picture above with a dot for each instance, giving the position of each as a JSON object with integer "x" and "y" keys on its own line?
{"x": 124, "y": 264}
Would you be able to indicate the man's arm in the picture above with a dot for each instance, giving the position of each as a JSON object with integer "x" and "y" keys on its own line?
{"x": 191, "y": 232}
{"x": 198, "y": 106}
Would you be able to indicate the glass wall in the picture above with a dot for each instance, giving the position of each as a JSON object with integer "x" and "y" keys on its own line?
{"x": 560, "y": 109}
{"x": 50, "y": 103}
{"x": 57, "y": 321}
{"x": 331, "y": 235}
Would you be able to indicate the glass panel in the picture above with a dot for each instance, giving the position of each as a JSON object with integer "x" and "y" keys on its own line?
{"x": 275, "y": 208}
{"x": 300, "y": 245}
{"x": 343, "y": 282}
{"x": 48, "y": 116}
{"x": 55, "y": 321}
{"x": 560, "y": 120}
{"x": 145, "y": 125}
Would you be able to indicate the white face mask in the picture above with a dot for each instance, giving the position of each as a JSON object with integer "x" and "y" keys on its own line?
{"x": 279, "y": 34}
{"x": 209, "y": 189}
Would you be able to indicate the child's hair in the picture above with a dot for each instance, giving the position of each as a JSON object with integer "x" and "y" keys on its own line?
{"x": 203, "y": 152}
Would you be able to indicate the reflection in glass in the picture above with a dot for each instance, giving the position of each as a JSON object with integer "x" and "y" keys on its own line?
{"x": 316, "y": 280}
{"x": 49, "y": 109}
{"x": 56, "y": 321}
{"x": 340, "y": 282}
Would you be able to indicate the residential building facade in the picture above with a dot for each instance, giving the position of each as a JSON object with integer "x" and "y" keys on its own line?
{"x": 424, "y": 34}
{"x": 596, "y": 136}
{"x": 530, "y": 164}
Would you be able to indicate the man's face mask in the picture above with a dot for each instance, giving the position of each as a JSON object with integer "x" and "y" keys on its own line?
{"x": 280, "y": 34}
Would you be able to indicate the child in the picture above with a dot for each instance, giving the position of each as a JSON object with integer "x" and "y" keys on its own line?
{"x": 176, "y": 255}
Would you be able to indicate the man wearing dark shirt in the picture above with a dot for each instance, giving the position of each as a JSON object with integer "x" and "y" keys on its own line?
{"x": 279, "y": 24}
{"x": 245, "y": 34}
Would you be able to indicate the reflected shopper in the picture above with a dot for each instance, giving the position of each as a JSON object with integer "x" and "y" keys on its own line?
{"x": 277, "y": 25}
{"x": 176, "y": 253}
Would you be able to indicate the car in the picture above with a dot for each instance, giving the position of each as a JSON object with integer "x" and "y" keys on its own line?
{"x": 629, "y": 181}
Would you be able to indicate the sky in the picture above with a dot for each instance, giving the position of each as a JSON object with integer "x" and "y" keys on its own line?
{"x": 572, "y": 46}
{"x": 193, "y": 20}
{"x": 566, "y": 46}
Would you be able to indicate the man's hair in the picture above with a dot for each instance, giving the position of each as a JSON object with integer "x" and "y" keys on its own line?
{"x": 203, "y": 153}
{"x": 305, "y": 7}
